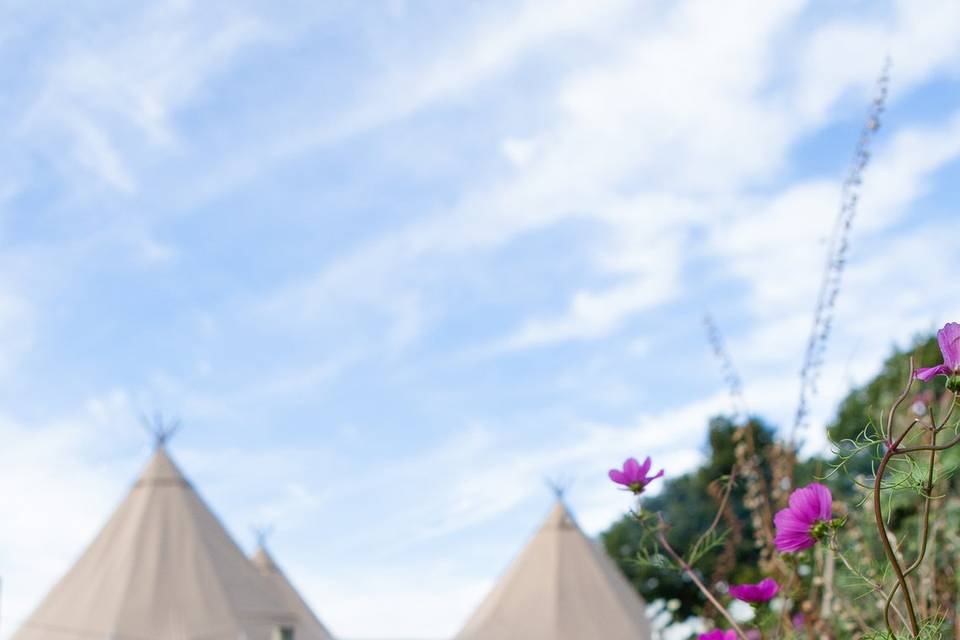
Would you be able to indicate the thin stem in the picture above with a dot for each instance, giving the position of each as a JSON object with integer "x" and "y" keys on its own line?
{"x": 928, "y": 447}
{"x": 925, "y": 522}
{"x": 763, "y": 493}
{"x": 939, "y": 447}
{"x": 723, "y": 505}
{"x": 928, "y": 498}
{"x": 661, "y": 536}
{"x": 785, "y": 613}
{"x": 896, "y": 405}
{"x": 876, "y": 586}
{"x": 887, "y": 548}
{"x": 828, "y": 575}
{"x": 953, "y": 405}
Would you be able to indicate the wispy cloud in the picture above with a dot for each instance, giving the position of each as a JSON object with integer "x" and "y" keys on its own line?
{"x": 449, "y": 68}
{"x": 112, "y": 91}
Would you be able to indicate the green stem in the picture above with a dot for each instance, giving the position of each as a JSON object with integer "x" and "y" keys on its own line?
{"x": 887, "y": 547}
{"x": 662, "y": 538}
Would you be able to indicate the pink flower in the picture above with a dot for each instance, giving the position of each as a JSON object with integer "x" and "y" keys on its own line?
{"x": 949, "y": 339}
{"x": 798, "y": 620}
{"x": 805, "y": 521}
{"x": 634, "y": 475}
{"x": 719, "y": 634}
{"x": 763, "y": 591}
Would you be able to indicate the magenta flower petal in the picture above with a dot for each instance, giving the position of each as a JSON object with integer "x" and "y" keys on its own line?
{"x": 788, "y": 526}
{"x": 763, "y": 591}
{"x": 812, "y": 502}
{"x": 793, "y": 542}
{"x": 793, "y": 531}
{"x": 932, "y": 372}
{"x": 719, "y": 634}
{"x": 645, "y": 467}
{"x": 809, "y": 506}
{"x": 634, "y": 476}
{"x": 949, "y": 340}
{"x": 824, "y": 501}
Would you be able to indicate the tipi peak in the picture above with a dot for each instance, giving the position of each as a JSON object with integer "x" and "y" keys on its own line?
{"x": 560, "y": 517}
{"x": 263, "y": 561}
{"x": 161, "y": 470}
{"x": 161, "y": 429}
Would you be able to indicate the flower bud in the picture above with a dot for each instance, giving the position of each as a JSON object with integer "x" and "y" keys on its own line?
{"x": 953, "y": 383}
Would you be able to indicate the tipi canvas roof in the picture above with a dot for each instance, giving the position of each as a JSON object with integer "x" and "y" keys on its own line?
{"x": 163, "y": 568}
{"x": 307, "y": 625}
{"x": 560, "y": 587}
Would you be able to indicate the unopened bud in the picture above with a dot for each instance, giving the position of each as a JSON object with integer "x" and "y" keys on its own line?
{"x": 953, "y": 383}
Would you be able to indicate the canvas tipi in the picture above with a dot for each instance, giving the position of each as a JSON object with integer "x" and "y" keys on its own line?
{"x": 307, "y": 625}
{"x": 164, "y": 568}
{"x": 560, "y": 587}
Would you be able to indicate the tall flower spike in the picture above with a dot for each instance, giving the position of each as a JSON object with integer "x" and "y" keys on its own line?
{"x": 805, "y": 520}
{"x": 634, "y": 476}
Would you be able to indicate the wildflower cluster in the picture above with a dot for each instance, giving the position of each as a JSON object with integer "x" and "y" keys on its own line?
{"x": 807, "y": 543}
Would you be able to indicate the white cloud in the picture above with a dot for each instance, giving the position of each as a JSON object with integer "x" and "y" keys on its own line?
{"x": 485, "y": 477}
{"x": 661, "y": 111}
{"x": 921, "y": 37}
{"x": 519, "y": 152}
{"x": 597, "y": 314}
{"x": 394, "y": 602}
{"x": 454, "y": 64}
{"x": 670, "y": 114}
{"x": 903, "y": 169}
{"x": 108, "y": 96}
{"x": 767, "y": 243}
{"x": 611, "y": 127}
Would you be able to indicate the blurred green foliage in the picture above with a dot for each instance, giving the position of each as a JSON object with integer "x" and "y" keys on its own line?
{"x": 864, "y": 403}
{"x": 689, "y": 508}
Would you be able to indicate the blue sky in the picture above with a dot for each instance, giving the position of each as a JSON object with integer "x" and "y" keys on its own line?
{"x": 394, "y": 263}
